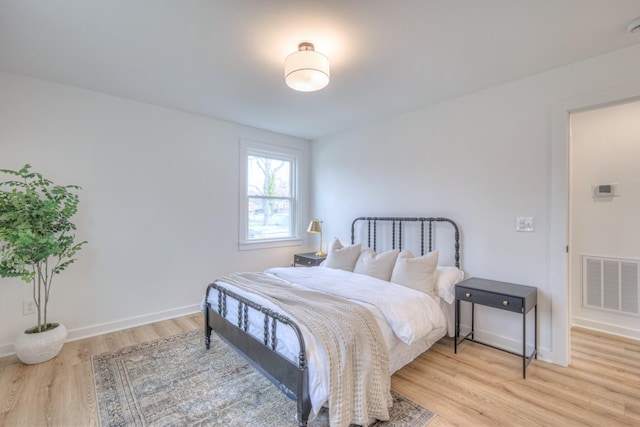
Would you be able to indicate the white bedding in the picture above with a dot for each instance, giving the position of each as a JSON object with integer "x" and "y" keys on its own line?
{"x": 410, "y": 314}
{"x": 410, "y": 321}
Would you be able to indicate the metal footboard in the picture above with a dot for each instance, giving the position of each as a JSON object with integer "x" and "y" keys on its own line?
{"x": 291, "y": 378}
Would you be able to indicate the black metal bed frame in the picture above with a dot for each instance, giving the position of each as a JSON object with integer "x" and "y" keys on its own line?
{"x": 292, "y": 378}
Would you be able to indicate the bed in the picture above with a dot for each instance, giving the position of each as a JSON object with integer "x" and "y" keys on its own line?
{"x": 279, "y": 319}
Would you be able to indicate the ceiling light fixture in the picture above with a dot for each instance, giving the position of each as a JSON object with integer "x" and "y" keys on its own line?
{"x": 306, "y": 70}
{"x": 634, "y": 26}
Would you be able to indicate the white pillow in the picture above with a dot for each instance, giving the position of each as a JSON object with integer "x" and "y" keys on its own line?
{"x": 446, "y": 279}
{"x": 341, "y": 257}
{"x": 380, "y": 265}
{"x": 418, "y": 273}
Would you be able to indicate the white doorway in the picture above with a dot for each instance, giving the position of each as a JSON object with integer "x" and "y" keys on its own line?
{"x": 558, "y": 231}
{"x": 604, "y": 202}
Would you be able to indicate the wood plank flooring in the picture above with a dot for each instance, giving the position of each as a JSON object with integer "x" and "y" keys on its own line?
{"x": 479, "y": 386}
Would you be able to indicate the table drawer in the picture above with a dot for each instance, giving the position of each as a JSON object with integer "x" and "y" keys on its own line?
{"x": 306, "y": 261}
{"x": 490, "y": 299}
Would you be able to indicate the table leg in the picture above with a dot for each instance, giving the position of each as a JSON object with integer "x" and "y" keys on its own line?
{"x": 457, "y": 332}
{"x": 524, "y": 345}
{"x": 473, "y": 318}
{"x": 535, "y": 328}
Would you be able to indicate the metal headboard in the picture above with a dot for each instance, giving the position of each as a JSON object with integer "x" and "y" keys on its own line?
{"x": 396, "y": 233}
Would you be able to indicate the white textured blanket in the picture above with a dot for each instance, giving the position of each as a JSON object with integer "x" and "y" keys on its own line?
{"x": 359, "y": 382}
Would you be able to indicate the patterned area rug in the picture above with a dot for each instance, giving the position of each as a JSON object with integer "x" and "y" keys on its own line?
{"x": 176, "y": 382}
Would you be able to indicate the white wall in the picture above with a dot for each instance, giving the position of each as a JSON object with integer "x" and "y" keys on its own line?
{"x": 482, "y": 160}
{"x": 159, "y": 204}
{"x": 605, "y": 148}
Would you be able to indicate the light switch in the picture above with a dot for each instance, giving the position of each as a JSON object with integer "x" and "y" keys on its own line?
{"x": 524, "y": 223}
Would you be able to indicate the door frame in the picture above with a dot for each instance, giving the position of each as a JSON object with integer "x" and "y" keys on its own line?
{"x": 558, "y": 232}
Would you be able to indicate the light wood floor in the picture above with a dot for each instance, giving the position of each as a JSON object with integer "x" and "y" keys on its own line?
{"x": 481, "y": 386}
{"x": 476, "y": 387}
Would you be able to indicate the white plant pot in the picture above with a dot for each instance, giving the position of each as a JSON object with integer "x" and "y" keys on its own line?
{"x": 41, "y": 346}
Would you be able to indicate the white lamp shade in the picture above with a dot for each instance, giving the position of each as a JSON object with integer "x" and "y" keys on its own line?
{"x": 306, "y": 70}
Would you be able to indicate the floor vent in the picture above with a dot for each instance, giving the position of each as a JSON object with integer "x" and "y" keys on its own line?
{"x": 611, "y": 284}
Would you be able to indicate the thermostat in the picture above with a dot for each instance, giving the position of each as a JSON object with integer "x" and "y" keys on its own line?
{"x": 605, "y": 190}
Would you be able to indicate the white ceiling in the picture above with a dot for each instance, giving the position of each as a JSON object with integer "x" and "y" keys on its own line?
{"x": 224, "y": 58}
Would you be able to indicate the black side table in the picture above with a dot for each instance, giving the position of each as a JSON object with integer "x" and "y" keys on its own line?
{"x": 504, "y": 296}
{"x": 308, "y": 259}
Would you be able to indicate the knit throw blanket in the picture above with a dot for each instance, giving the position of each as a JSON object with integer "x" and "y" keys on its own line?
{"x": 359, "y": 382}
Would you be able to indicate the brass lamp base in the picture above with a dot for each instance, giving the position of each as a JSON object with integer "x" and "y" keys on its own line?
{"x": 321, "y": 254}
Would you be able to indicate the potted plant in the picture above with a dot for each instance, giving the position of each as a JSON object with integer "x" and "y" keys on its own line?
{"x": 36, "y": 243}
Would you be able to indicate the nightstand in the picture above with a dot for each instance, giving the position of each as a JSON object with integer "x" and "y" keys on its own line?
{"x": 308, "y": 259}
{"x": 503, "y": 296}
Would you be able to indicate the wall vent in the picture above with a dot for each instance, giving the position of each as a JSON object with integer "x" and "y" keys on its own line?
{"x": 611, "y": 284}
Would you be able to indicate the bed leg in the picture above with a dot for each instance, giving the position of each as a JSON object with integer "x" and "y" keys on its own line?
{"x": 207, "y": 326}
{"x": 303, "y": 400}
{"x": 207, "y": 330}
{"x": 304, "y": 409}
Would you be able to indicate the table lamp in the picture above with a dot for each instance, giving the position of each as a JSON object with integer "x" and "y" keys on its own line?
{"x": 315, "y": 226}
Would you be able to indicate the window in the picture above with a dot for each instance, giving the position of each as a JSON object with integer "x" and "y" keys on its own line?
{"x": 268, "y": 209}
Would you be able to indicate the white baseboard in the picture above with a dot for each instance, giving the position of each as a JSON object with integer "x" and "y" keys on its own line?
{"x": 495, "y": 340}
{"x": 608, "y": 328}
{"x": 118, "y": 325}
{"x": 6, "y": 350}
{"x": 508, "y": 344}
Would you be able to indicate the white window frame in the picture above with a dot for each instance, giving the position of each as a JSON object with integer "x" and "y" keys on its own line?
{"x": 248, "y": 148}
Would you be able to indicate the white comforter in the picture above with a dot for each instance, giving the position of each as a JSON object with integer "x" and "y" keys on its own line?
{"x": 410, "y": 314}
{"x": 400, "y": 312}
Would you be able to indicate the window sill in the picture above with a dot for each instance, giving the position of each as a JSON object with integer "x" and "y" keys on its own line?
{"x": 267, "y": 244}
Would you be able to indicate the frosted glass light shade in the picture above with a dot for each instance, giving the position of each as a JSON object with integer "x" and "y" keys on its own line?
{"x": 306, "y": 70}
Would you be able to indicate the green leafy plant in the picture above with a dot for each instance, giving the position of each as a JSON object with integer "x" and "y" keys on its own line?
{"x": 36, "y": 240}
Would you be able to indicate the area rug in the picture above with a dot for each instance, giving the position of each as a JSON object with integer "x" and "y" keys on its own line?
{"x": 177, "y": 382}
